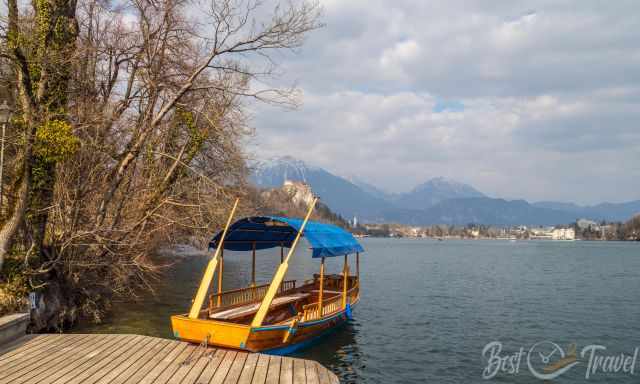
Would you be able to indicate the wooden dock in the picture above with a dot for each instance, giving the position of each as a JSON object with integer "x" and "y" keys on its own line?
{"x": 119, "y": 359}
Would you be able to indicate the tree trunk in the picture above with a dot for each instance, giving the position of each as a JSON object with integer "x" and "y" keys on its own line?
{"x": 11, "y": 226}
{"x": 43, "y": 79}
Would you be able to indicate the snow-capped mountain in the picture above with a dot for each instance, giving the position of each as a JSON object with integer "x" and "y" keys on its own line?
{"x": 369, "y": 188}
{"x": 434, "y": 191}
{"x": 338, "y": 193}
{"x": 437, "y": 201}
{"x": 273, "y": 172}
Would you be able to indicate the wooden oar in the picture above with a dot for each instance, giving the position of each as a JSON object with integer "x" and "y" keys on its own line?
{"x": 280, "y": 273}
{"x": 211, "y": 268}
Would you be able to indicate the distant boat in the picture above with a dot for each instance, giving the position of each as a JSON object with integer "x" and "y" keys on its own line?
{"x": 279, "y": 317}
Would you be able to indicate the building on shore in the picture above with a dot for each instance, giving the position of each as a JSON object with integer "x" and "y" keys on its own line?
{"x": 585, "y": 224}
{"x": 563, "y": 234}
{"x": 541, "y": 233}
{"x": 552, "y": 233}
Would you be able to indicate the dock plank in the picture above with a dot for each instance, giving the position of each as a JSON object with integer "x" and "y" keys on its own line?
{"x": 40, "y": 357}
{"x": 93, "y": 358}
{"x": 311, "y": 372}
{"x": 20, "y": 351}
{"x": 223, "y": 368}
{"x": 53, "y": 364}
{"x": 260, "y": 374}
{"x": 28, "y": 352}
{"x": 273, "y": 373}
{"x": 48, "y": 377}
{"x": 323, "y": 374}
{"x": 144, "y": 362}
{"x": 9, "y": 349}
{"x": 236, "y": 368}
{"x": 286, "y": 371}
{"x": 122, "y": 345}
{"x": 249, "y": 367}
{"x": 118, "y": 361}
{"x": 186, "y": 366}
{"x": 212, "y": 367}
{"x": 161, "y": 366}
{"x": 299, "y": 374}
{"x": 174, "y": 365}
{"x": 128, "y": 359}
{"x": 199, "y": 366}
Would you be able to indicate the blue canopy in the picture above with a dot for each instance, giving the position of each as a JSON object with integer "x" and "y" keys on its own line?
{"x": 265, "y": 232}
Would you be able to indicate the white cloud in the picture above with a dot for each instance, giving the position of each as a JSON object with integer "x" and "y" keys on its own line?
{"x": 510, "y": 34}
{"x": 401, "y": 52}
{"x": 550, "y": 97}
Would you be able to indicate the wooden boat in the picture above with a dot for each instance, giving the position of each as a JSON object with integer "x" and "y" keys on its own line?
{"x": 282, "y": 316}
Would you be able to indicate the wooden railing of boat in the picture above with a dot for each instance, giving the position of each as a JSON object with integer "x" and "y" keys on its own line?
{"x": 312, "y": 311}
{"x": 354, "y": 293}
{"x": 245, "y": 295}
{"x": 329, "y": 305}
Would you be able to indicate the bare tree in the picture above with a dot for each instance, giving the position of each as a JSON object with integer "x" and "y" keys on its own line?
{"x": 133, "y": 130}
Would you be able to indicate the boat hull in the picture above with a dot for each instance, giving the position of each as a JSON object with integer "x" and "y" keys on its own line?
{"x": 218, "y": 333}
{"x": 273, "y": 339}
{"x": 270, "y": 339}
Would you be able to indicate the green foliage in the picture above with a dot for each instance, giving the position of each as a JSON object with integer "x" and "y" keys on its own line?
{"x": 55, "y": 141}
{"x": 196, "y": 137}
{"x": 328, "y": 215}
{"x": 14, "y": 287}
{"x": 13, "y": 270}
{"x": 52, "y": 45}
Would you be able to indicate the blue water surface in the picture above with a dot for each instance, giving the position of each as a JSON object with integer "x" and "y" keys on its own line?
{"x": 428, "y": 308}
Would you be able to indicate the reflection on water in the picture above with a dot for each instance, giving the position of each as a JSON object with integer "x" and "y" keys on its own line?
{"x": 339, "y": 351}
{"x": 428, "y": 308}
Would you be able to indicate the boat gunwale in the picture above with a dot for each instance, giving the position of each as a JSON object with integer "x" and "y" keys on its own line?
{"x": 302, "y": 324}
{"x": 185, "y": 317}
{"x": 275, "y": 327}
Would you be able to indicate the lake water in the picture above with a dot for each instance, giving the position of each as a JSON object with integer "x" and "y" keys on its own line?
{"x": 429, "y": 308}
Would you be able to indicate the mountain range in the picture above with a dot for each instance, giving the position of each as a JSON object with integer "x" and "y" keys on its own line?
{"x": 436, "y": 201}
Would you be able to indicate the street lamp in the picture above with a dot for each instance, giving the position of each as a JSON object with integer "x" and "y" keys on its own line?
{"x": 5, "y": 115}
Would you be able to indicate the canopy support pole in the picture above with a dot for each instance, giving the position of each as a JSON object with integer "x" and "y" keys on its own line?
{"x": 253, "y": 265}
{"x": 320, "y": 294}
{"x": 345, "y": 273}
{"x": 279, "y": 276}
{"x": 281, "y": 253}
{"x": 220, "y": 275}
{"x": 358, "y": 265}
{"x": 211, "y": 268}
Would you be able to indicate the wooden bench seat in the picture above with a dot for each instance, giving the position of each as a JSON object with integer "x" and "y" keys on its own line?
{"x": 327, "y": 291}
{"x": 248, "y": 309}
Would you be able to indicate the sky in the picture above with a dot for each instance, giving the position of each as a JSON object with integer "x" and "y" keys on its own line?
{"x": 534, "y": 100}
